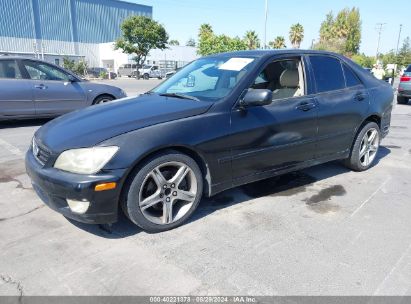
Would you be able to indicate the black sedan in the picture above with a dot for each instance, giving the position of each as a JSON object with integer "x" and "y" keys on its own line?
{"x": 220, "y": 122}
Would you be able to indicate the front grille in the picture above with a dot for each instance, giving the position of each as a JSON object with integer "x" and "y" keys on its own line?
{"x": 40, "y": 153}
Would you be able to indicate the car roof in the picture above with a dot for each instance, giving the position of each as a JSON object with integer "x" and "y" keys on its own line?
{"x": 266, "y": 53}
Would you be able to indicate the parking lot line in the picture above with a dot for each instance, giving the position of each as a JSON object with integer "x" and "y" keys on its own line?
{"x": 393, "y": 269}
{"x": 371, "y": 196}
{"x": 9, "y": 147}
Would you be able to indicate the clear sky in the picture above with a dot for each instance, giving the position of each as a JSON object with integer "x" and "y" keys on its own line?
{"x": 182, "y": 18}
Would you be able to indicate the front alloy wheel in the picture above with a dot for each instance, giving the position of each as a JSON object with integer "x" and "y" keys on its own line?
{"x": 164, "y": 192}
{"x": 168, "y": 192}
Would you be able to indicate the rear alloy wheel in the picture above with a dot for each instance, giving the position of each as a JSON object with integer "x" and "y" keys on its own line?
{"x": 402, "y": 100}
{"x": 146, "y": 77}
{"x": 164, "y": 192}
{"x": 365, "y": 148}
{"x": 102, "y": 99}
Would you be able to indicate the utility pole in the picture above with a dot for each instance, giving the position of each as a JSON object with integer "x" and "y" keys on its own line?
{"x": 265, "y": 24}
{"x": 398, "y": 41}
{"x": 379, "y": 28}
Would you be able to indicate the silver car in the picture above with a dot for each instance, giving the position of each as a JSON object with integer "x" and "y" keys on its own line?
{"x": 36, "y": 89}
{"x": 404, "y": 88}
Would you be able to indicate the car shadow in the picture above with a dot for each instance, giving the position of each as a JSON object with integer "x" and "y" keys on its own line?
{"x": 118, "y": 230}
{"x": 288, "y": 184}
{"x": 23, "y": 123}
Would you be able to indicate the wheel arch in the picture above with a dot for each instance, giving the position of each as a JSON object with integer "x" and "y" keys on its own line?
{"x": 101, "y": 95}
{"x": 189, "y": 151}
{"x": 375, "y": 117}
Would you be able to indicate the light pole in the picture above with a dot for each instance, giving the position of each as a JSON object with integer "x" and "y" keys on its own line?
{"x": 398, "y": 41}
{"x": 379, "y": 25}
{"x": 265, "y": 24}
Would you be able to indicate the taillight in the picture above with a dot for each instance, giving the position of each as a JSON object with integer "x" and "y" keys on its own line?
{"x": 405, "y": 78}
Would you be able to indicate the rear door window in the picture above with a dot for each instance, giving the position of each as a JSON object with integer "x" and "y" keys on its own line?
{"x": 9, "y": 69}
{"x": 328, "y": 73}
{"x": 350, "y": 78}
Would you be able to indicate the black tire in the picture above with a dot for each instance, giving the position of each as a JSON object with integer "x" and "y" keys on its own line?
{"x": 402, "y": 100}
{"x": 354, "y": 162}
{"x": 146, "y": 76}
{"x": 102, "y": 99}
{"x": 130, "y": 202}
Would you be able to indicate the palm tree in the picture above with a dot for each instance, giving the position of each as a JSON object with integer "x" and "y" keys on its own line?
{"x": 278, "y": 43}
{"x": 251, "y": 40}
{"x": 205, "y": 29}
{"x": 296, "y": 35}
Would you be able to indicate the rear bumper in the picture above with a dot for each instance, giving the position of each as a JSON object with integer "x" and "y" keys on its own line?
{"x": 54, "y": 187}
{"x": 404, "y": 90}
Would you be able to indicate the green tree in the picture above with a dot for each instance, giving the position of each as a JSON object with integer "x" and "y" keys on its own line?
{"x": 278, "y": 43}
{"x": 174, "y": 42}
{"x": 341, "y": 33}
{"x": 404, "y": 53}
{"x": 296, "y": 35}
{"x": 209, "y": 43}
{"x": 139, "y": 36}
{"x": 389, "y": 58}
{"x": 79, "y": 68}
{"x": 191, "y": 42}
{"x": 251, "y": 40}
{"x": 336, "y": 45}
{"x": 205, "y": 39}
{"x": 364, "y": 60}
{"x": 327, "y": 28}
{"x": 68, "y": 63}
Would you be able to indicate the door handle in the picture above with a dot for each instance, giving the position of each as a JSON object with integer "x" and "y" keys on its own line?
{"x": 359, "y": 96}
{"x": 306, "y": 106}
{"x": 40, "y": 86}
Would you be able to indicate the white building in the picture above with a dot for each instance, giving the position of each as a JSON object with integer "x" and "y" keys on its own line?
{"x": 171, "y": 58}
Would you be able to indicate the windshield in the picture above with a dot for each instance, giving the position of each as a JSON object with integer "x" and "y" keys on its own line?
{"x": 207, "y": 79}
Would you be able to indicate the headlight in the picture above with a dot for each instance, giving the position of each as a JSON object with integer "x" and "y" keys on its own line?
{"x": 85, "y": 161}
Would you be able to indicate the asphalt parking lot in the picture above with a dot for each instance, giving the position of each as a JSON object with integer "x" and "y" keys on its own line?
{"x": 320, "y": 231}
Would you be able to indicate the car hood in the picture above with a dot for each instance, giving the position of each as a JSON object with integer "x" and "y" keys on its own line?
{"x": 95, "y": 124}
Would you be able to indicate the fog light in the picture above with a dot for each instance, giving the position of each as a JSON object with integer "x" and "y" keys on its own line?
{"x": 78, "y": 206}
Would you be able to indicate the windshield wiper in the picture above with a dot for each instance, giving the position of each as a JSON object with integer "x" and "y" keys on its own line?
{"x": 178, "y": 95}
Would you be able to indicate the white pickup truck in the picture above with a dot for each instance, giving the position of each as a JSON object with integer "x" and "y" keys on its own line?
{"x": 151, "y": 71}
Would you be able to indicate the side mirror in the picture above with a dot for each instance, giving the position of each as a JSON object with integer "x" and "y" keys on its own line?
{"x": 257, "y": 97}
{"x": 71, "y": 78}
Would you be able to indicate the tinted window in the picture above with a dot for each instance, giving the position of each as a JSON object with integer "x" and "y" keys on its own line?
{"x": 9, "y": 69}
{"x": 39, "y": 70}
{"x": 408, "y": 69}
{"x": 350, "y": 78}
{"x": 328, "y": 73}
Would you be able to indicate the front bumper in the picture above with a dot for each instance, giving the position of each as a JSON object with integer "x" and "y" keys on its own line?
{"x": 54, "y": 187}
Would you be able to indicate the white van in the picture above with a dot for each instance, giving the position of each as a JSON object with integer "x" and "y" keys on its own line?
{"x": 126, "y": 69}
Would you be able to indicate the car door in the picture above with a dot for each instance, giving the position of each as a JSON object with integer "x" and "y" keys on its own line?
{"x": 342, "y": 103}
{"x": 16, "y": 97}
{"x": 277, "y": 136}
{"x": 53, "y": 91}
